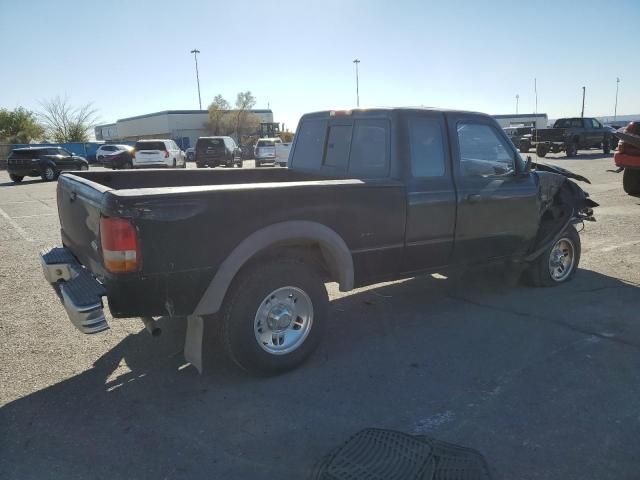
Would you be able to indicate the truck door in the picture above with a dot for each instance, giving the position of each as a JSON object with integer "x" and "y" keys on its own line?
{"x": 595, "y": 132}
{"x": 431, "y": 197}
{"x": 497, "y": 214}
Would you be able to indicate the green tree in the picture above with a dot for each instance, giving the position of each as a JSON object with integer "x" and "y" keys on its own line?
{"x": 64, "y": 123}
{"x": 218, "y": 110}
{"x": 19, "y": 126}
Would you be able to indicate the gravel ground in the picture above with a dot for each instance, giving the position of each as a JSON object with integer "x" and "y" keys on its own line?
{"x": 544, "y": 382}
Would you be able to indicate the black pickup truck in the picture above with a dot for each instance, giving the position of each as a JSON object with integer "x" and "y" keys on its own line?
{"x": 572, "y": 134}
{"x": 370, "y": 195}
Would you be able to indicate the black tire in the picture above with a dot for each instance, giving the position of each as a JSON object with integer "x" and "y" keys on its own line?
{"x": 127, "y": 166}
{"x": 49, "y": 174}
{"x": 631, "y": 181}
{"x": 541, "y": 150}
{"x": 606, "y": 147}
{"x": 251, "y": 290}
{"x": 15, "y": 178}
{"x": 258, "y": 164}
{"x": 524, "y": 147}
{"x": 174, "y": 163}
{"x": 539, "y": 272}
{"x": 199, "y": 165}
{"x": 572, "y": 149}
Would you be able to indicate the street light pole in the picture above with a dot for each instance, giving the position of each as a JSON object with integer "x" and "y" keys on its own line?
{"x": 584, "y": 89}
{"x": 517, "y": 99}
{"x": 195, "y": 52}
{"x": 356, "y": 61}
{"x": 615, "y": 109}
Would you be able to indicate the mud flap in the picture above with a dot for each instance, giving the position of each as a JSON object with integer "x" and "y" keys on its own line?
{"x": 193, "y": 341}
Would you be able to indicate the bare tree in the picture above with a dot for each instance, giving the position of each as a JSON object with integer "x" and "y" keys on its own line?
{"x": 245, "y": 101}
{"x": 64, "y": 123}
{"x": 218, "y": 110}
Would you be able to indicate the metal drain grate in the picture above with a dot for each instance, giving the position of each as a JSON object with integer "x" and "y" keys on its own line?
{"x": 377, "y": 454}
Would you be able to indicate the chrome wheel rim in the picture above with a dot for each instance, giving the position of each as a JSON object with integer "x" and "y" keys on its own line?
{"x": 49, "y": 173}
{"x": 283, "y": 320}
{"x": 561, "y": 259}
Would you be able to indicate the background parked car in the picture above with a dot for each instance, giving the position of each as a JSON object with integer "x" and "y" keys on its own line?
{"x": 45, "y": 162}
{"x": 120, "y": 159}
{"x": 265, "y": 150}
{"x": 191, "y": 154}
{"x": 158, "y": 153}
{"x": 104, "y": 150}
{"x": 520, "y": 136}
{"x": 215, "y": 151}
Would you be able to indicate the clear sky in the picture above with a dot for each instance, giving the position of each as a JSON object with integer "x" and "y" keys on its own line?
{"x": 132, "y": 57}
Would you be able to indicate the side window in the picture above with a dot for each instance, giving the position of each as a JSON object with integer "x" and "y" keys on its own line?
{"x": 338, "y": 144}
{"x": 426, "y": 148}
{"x": 52, "y": 151}
{"x": 576, "y": 123}
{"x": 596, "y": 123}
{"x": 482, "y": 152}
{"x": 310, "y": 144}
{"x": 369, "y": 148}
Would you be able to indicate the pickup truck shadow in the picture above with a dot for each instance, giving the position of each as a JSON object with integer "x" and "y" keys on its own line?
{"x": 155, "y": 419}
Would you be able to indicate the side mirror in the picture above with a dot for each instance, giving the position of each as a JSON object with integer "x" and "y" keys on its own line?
{"x": 527, "y": 165}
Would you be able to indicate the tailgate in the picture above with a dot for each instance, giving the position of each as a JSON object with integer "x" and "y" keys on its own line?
{"x": 550, "y": 135}
{"x": 79, "y": 207}
{"x": 150, "y": 156}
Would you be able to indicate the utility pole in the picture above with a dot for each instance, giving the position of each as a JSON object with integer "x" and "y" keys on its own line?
{"x": 535, "y": 89}
{"x": 517, "y": 99}
{"x": 356, "y": 61}
{"x": 584, "y": 89}
{"x": 615, "y": 109}
{"x": 195, "y": 52}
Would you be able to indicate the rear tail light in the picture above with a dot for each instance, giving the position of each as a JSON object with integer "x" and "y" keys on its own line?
{"x": 166, "y": 154}
{"x": 120, "y": 246}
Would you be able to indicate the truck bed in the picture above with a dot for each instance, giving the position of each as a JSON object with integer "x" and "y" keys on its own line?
{"x": 549, "y": 135}
{"x": 188, "y": 221}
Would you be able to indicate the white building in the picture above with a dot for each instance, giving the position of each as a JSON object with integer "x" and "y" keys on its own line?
{"x": 183, "y": 126}
{"x": 537, "y": 120}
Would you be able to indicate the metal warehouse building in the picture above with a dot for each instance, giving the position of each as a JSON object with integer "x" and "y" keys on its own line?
{"x": 537, "y": 120}
{"x": 183, "y": 126}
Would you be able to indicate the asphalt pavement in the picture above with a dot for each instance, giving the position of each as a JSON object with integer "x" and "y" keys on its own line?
{"x": 544, "y": 382}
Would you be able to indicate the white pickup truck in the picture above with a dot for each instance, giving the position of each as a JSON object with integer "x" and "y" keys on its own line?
{"x": 272, "y": 150}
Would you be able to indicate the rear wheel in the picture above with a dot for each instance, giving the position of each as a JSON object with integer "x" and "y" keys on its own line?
{"x": 541, "y": 150}
{"x": 127, "y": 166}
{"x": 606, "y": 147}
{"x": 274, "y": 316}
{"x": 631, "y": 181}
{"x": 49, "y": 174}
{"x": 558, "y": 263}
{"x": 16, "y": 178}
{"x": 524, "y": 147}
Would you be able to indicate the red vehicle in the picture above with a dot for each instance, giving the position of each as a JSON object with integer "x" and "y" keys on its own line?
{"x": 627, "y": 157}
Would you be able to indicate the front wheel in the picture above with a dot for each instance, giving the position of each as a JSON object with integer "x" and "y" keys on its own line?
{"x": 572, "y": 149}
{"x": 631, "y": 181}
{"x": 558, "y": 263}
{"x": 541, "y": 150}
{"x": 15, "y": 178}
{"x": 274, "y": 316}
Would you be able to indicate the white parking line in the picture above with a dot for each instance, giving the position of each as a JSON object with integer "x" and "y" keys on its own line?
{"x": 37, "y": 215}
{"x": 21, "y": 231}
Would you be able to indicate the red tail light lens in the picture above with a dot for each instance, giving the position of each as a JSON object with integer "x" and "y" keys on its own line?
{"x": 120, "y": 246}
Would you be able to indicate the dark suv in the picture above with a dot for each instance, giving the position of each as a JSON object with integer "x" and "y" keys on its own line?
{"x": 45, "y": 162}
{"x": 214, "y": 151}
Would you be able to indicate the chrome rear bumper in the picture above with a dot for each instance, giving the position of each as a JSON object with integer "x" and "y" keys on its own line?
{"x": 81, "y": 294}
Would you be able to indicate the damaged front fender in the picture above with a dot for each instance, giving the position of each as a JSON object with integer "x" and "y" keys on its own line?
{"x": 561, "y": 202}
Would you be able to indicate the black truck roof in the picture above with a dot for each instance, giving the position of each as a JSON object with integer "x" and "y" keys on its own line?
{"x": 363, "y": 112}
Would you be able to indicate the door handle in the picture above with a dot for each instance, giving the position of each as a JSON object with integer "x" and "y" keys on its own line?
{"x": 473, "y": 198}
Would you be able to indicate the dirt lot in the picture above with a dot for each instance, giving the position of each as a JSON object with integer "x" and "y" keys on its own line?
{"x": 544, "y": 382}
